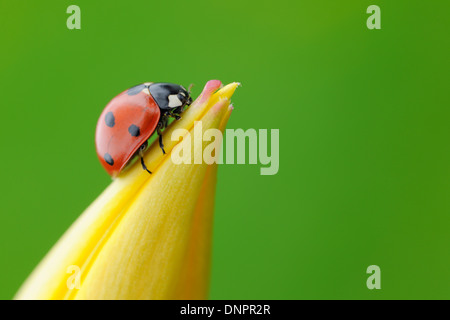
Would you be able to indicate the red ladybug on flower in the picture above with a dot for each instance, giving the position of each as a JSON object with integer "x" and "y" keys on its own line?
{"x": 131, "y": 118}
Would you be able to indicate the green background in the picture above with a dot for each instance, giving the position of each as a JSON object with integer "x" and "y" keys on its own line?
{"x": 364, "y": 134}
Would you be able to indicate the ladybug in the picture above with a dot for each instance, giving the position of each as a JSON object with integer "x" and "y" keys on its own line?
{"x": 129, "y": 119}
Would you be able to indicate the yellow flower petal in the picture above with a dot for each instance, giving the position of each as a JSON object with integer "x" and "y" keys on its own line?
{"x": 194, "y": 279}
{"x": 132, "y": 241}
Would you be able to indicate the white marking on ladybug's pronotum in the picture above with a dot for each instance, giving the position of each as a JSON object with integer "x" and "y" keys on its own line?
{"x": 147, "y": 84}
{"x": 174, "y": 101}
{"x": 182, "y": 93}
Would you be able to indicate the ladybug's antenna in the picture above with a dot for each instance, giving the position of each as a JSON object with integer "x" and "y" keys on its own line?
{"x": 190, "y": 87}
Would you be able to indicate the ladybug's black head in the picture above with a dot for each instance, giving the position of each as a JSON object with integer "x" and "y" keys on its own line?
{"x": 170, "y": 96}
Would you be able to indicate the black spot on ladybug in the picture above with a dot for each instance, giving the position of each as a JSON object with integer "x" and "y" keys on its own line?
{"x": 109, "y": 160}
{"x": 136, "y": 89}
{"x": 110, "y": 120}
{"x": 134, "y": 130}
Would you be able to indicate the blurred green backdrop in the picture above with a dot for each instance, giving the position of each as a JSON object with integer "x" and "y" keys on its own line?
{"x": 364, "y": 134}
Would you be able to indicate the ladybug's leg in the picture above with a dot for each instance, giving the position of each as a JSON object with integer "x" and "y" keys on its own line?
{"x": 176, "y": 113}
{"x": 160, "y": 140}
{"x": 144, "y": 166}
{"x": 161, "y": 125}
{"x": 141, "y": 154}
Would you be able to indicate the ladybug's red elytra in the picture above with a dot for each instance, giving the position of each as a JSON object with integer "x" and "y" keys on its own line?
{"x": 129, "y": 119}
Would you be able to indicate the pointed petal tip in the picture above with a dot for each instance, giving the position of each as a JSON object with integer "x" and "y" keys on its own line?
{"x": 210, "y": 87}
{"x": 228, "y": 90}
